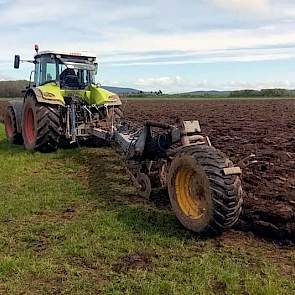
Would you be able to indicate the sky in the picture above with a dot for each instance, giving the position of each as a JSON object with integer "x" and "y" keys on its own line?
{"x": 175, "y": 45}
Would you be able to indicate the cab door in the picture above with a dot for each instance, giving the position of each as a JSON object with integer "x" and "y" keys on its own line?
{"x": 46, "y": 70}
{"x": 37, "y": 72}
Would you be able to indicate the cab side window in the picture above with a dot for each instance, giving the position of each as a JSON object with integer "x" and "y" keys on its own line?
{"x": 37, "y": 72}
{"x": 45, "y": 70}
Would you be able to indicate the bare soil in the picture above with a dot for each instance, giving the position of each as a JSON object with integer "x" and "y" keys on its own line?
{"x": 134, "y": 261}
{"x": 239, "y": 128}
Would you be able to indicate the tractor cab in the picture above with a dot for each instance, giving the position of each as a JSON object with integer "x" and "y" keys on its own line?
{"x": 71, "y": 71}
{"x": 62, "y": 101}
{"x": 60, "y": 76}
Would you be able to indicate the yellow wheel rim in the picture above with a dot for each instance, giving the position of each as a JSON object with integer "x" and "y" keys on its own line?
{"x": 189, "y": 193}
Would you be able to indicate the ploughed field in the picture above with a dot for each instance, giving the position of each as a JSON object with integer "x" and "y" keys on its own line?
{"x": 239, "y": 128}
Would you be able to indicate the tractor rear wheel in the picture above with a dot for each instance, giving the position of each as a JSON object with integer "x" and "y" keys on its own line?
{"x": 10, "y": 121}
{"x": 204, "y": 199}
{"x": 41, "y": 126}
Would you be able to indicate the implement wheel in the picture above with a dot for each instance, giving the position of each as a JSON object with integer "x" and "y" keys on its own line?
{"x": 144, "y": 185}
{"x": 40, "y": 126}
{"x": 204, "y": 199}
{"x": 10, "y": 121}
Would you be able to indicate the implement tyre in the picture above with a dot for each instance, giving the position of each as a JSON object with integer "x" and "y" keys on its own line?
{"x": 41, "y": 126}
{"x": 204, "y": 199}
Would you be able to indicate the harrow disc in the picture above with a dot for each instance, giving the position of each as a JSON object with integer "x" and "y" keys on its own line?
{"x": 144, "y": 185}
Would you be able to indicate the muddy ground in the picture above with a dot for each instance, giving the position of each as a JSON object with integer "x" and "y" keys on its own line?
{"x": 239, "y": 128}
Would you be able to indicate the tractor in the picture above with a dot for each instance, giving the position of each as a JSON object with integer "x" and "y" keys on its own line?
{"x": 64, "y": 104}
{"x": 61, "y": 103}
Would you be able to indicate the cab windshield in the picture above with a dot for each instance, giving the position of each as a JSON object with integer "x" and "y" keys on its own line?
{"x": 70, "y": 72}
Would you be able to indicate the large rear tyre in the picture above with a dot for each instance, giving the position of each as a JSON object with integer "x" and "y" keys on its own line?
{"x": 204, "y": 199}
{"x": 41, "y": 126}
{"x": 10, "y": 122}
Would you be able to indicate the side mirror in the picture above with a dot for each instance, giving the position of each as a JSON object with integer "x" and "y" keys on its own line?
{"x": 16, "y": 61}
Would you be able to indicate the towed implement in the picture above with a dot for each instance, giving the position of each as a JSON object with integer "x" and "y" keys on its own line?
{"x": 64, "y": 105}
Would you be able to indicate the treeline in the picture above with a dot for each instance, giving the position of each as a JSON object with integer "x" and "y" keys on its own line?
{"x": 143, "y": 94}
{"x": 247, "y": 93}
{"x": 12, "y": 89}
{"x": 276, "y": 92}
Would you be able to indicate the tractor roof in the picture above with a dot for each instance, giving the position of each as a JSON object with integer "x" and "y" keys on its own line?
{"x": 73, "y": 54}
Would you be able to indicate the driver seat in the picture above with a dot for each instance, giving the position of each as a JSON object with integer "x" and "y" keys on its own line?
{"x": 71, "y": 82}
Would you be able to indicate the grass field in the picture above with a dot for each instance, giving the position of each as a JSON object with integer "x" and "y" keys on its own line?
{"x": 71, "y": 223}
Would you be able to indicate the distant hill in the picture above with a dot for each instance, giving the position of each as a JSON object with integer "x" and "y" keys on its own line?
{"x": 121, "y": 90}
{"x": 273, "y": 92}
{"x": 13, "y": 89}
{"x": 208, "y": 93}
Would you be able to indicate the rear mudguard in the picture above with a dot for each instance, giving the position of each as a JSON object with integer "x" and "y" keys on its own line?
{"x": 40, "y": 97}
{"x": 51, "y": 93}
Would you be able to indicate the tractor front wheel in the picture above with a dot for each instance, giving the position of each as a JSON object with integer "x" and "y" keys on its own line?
{"x": 203, "y": 197}
{"x": 10, "y": 122}
{"x": 41, "y": 126}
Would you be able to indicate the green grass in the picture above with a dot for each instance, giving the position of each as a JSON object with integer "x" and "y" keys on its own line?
{"x": 71, "y": 223}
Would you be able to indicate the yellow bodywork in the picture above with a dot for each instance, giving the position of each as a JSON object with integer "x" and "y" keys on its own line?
{"x": 92, "y": 95}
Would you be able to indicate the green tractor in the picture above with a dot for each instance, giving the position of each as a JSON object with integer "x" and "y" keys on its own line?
{"x": 62, "y": 102}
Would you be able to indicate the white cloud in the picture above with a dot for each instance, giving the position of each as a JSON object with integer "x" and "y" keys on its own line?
{"x": 200, "y": 57}
{"x": 256, "y": 6}
{"x": 236, "y": 85}
{"x": 177, "y": 84}
{"x": 215, "y": 46}
{"x": 109, "y": 41}
{"x": 22, "y": 12}
{"x": 209, "y": 40}
{"x": 165, "y": 82}
{"x": 129, "y": 33}
{"x": 271, "y": 10}
{"x": 4, "y": 77}
{"x": 170, "y": 84}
